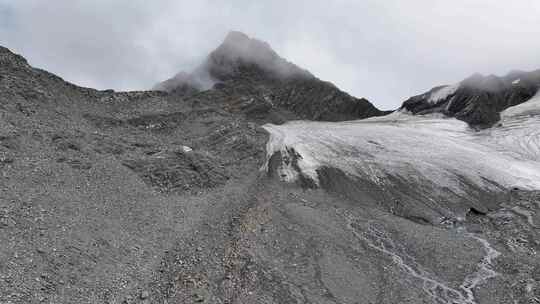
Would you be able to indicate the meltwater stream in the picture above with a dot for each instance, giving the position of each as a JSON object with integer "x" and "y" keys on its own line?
{"x": 484, "y": 271}
{"x": 439, "y": 291}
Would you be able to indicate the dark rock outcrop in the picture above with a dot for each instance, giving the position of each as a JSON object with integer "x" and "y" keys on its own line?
{"x": 479, "y": 99}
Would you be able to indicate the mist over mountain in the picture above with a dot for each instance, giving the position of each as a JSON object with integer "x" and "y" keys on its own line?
{"x": 236, "y": 52}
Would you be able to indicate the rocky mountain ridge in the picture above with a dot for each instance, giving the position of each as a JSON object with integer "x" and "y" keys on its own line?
{"x": 477, "y": 100}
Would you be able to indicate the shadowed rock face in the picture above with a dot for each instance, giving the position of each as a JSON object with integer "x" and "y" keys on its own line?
{"x": 256, "y": 78}
{"x": 477, "y": 100}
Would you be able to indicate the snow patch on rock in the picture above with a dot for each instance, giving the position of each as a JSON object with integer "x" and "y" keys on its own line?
{"x": 280, "y": 143}
{"x": 518, "y": 133}
{"x": 186, "y": 149}
{"x": 443, "y": 93}
{"x": 531, "y": 107}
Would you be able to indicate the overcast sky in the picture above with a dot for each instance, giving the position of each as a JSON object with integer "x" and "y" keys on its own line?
{"x": 385, "y": 50}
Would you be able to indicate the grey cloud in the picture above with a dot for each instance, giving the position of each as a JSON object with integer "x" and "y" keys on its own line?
{"x": 385, "y": 51}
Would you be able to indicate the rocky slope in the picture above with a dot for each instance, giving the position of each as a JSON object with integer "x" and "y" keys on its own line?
{"x": 477, "y": 100}
{"x": 163, "y": 197}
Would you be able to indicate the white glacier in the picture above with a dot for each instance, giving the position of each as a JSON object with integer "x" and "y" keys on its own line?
{"x": 418, "y": 148}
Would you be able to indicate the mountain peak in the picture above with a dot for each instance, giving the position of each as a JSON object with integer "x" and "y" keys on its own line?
{"x": 239, "y": 46}
{"x": 10, "y": 59}
{"x": 238, "y": 56}
{"x": 236, "y": 37}
{"x": 238, "y": 51}
{"x": 257, "y": 81}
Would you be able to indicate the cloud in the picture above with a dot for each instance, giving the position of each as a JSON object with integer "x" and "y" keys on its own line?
{"x": 383, "y": 50}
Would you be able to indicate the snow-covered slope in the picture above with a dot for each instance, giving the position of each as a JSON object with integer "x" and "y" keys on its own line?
{"x": 518, "y": 133}
{"x": 442, "y": 159}
{"x": 529, "y": 108}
